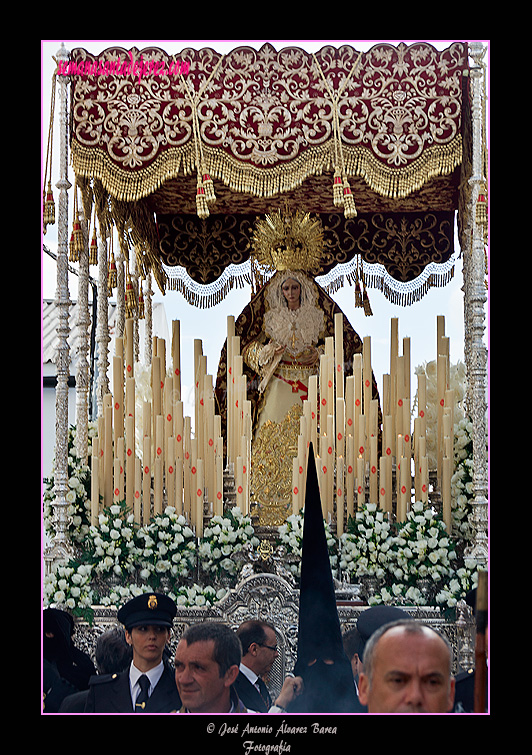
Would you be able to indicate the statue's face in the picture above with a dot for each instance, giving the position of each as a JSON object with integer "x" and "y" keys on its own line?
{"x": 292, "y": 293}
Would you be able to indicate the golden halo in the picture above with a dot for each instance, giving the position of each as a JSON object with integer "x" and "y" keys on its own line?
{"x": 288, "y": 241}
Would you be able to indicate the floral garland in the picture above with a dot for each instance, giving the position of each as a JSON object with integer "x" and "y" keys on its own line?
{"x": 291, "y": 538}
{"x": 225, "y": 537}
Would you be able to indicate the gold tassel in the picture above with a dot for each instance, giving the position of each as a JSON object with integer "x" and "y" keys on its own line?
{"x": 48, "y": 207}
{"x": 338, "y": 195}
{"x": 112, "y": 278}
{"x": 131, "y": 309}
{"x": 201, "y": 202}
{"x": 367, "y": 306}
{"x": 93, "y": 251}
{"x": 481, "y": 209}
{"x": 349, "y": 203}
{"x": 358, "y": 295}
{"x": 208, "y": 188}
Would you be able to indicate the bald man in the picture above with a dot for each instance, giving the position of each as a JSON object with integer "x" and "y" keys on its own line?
{"x": 407, "y": 669}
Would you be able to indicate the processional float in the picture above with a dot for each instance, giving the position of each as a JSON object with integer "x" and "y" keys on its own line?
{"x": 386, "y": 147}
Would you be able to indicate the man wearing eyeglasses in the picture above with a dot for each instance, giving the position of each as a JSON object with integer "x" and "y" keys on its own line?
{"x": 259, "y": 652}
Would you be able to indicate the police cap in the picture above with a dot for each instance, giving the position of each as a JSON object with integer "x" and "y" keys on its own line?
{"x": 150, "y": 608}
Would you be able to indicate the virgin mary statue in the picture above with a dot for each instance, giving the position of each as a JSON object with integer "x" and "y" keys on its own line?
{"x": 282, "y": 336}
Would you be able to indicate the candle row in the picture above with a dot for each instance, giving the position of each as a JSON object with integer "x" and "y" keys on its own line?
{"x": 340, "y": 418}
{"x": 239, "y": 420}
{"x": 168, "y": 464}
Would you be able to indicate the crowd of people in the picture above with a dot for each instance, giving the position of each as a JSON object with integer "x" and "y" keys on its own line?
{"x": 398, "y": 665}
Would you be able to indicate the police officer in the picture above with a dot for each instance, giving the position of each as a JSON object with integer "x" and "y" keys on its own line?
{"x": 148, "y": 686}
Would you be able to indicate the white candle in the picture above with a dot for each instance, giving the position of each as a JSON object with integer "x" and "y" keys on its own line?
{"x": 219, "y": 495}
{"x": 130, "y": 461}
{"x": 146, "y": 478}
{"x": 176, "y": 359}
{"x": 137, "y": 491}
{"x": 361, "y": 482}
{"x": 340, "y": 494}
{"x": 340, "y": 427}
{"x": 295, "y": 485}
{"x": 339, "y": 353}
{"x": 373, "y": 471}
{"x": 199, "y": 497}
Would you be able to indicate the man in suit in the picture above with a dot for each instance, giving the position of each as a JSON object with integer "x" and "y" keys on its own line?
{"x": 148, "y": 685}
{"x": 259, "y": 652}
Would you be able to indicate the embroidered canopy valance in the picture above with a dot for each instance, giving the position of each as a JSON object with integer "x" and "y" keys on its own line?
{"x": 153, "y": 134}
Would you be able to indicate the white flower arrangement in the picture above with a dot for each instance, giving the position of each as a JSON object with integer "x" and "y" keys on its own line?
{"x": 69, "y": 585}
{"x": 365, "y": 549}
{"x": 112, "y": 542}
{"x": 198, "y": 596}
{"x": 167, "y": 547}
{"x": 423, "y": 567}
{"x": 291, "y": 538}
{"x": 224, "y": 537}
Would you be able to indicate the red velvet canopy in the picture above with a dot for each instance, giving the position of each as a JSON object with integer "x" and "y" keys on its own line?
{"x": 270, "y": 127}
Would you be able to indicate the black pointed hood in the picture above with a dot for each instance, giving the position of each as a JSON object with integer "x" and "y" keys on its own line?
{"x": 321, "y": 659}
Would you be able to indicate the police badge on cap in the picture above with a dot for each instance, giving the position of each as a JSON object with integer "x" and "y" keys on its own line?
{"x": 149, "y": 608}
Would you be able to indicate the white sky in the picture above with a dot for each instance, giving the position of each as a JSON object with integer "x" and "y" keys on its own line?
{"x": 417, "y": 321}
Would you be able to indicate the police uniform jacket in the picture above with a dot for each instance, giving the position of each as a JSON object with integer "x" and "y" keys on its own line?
{"x": 110, "y": 693}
